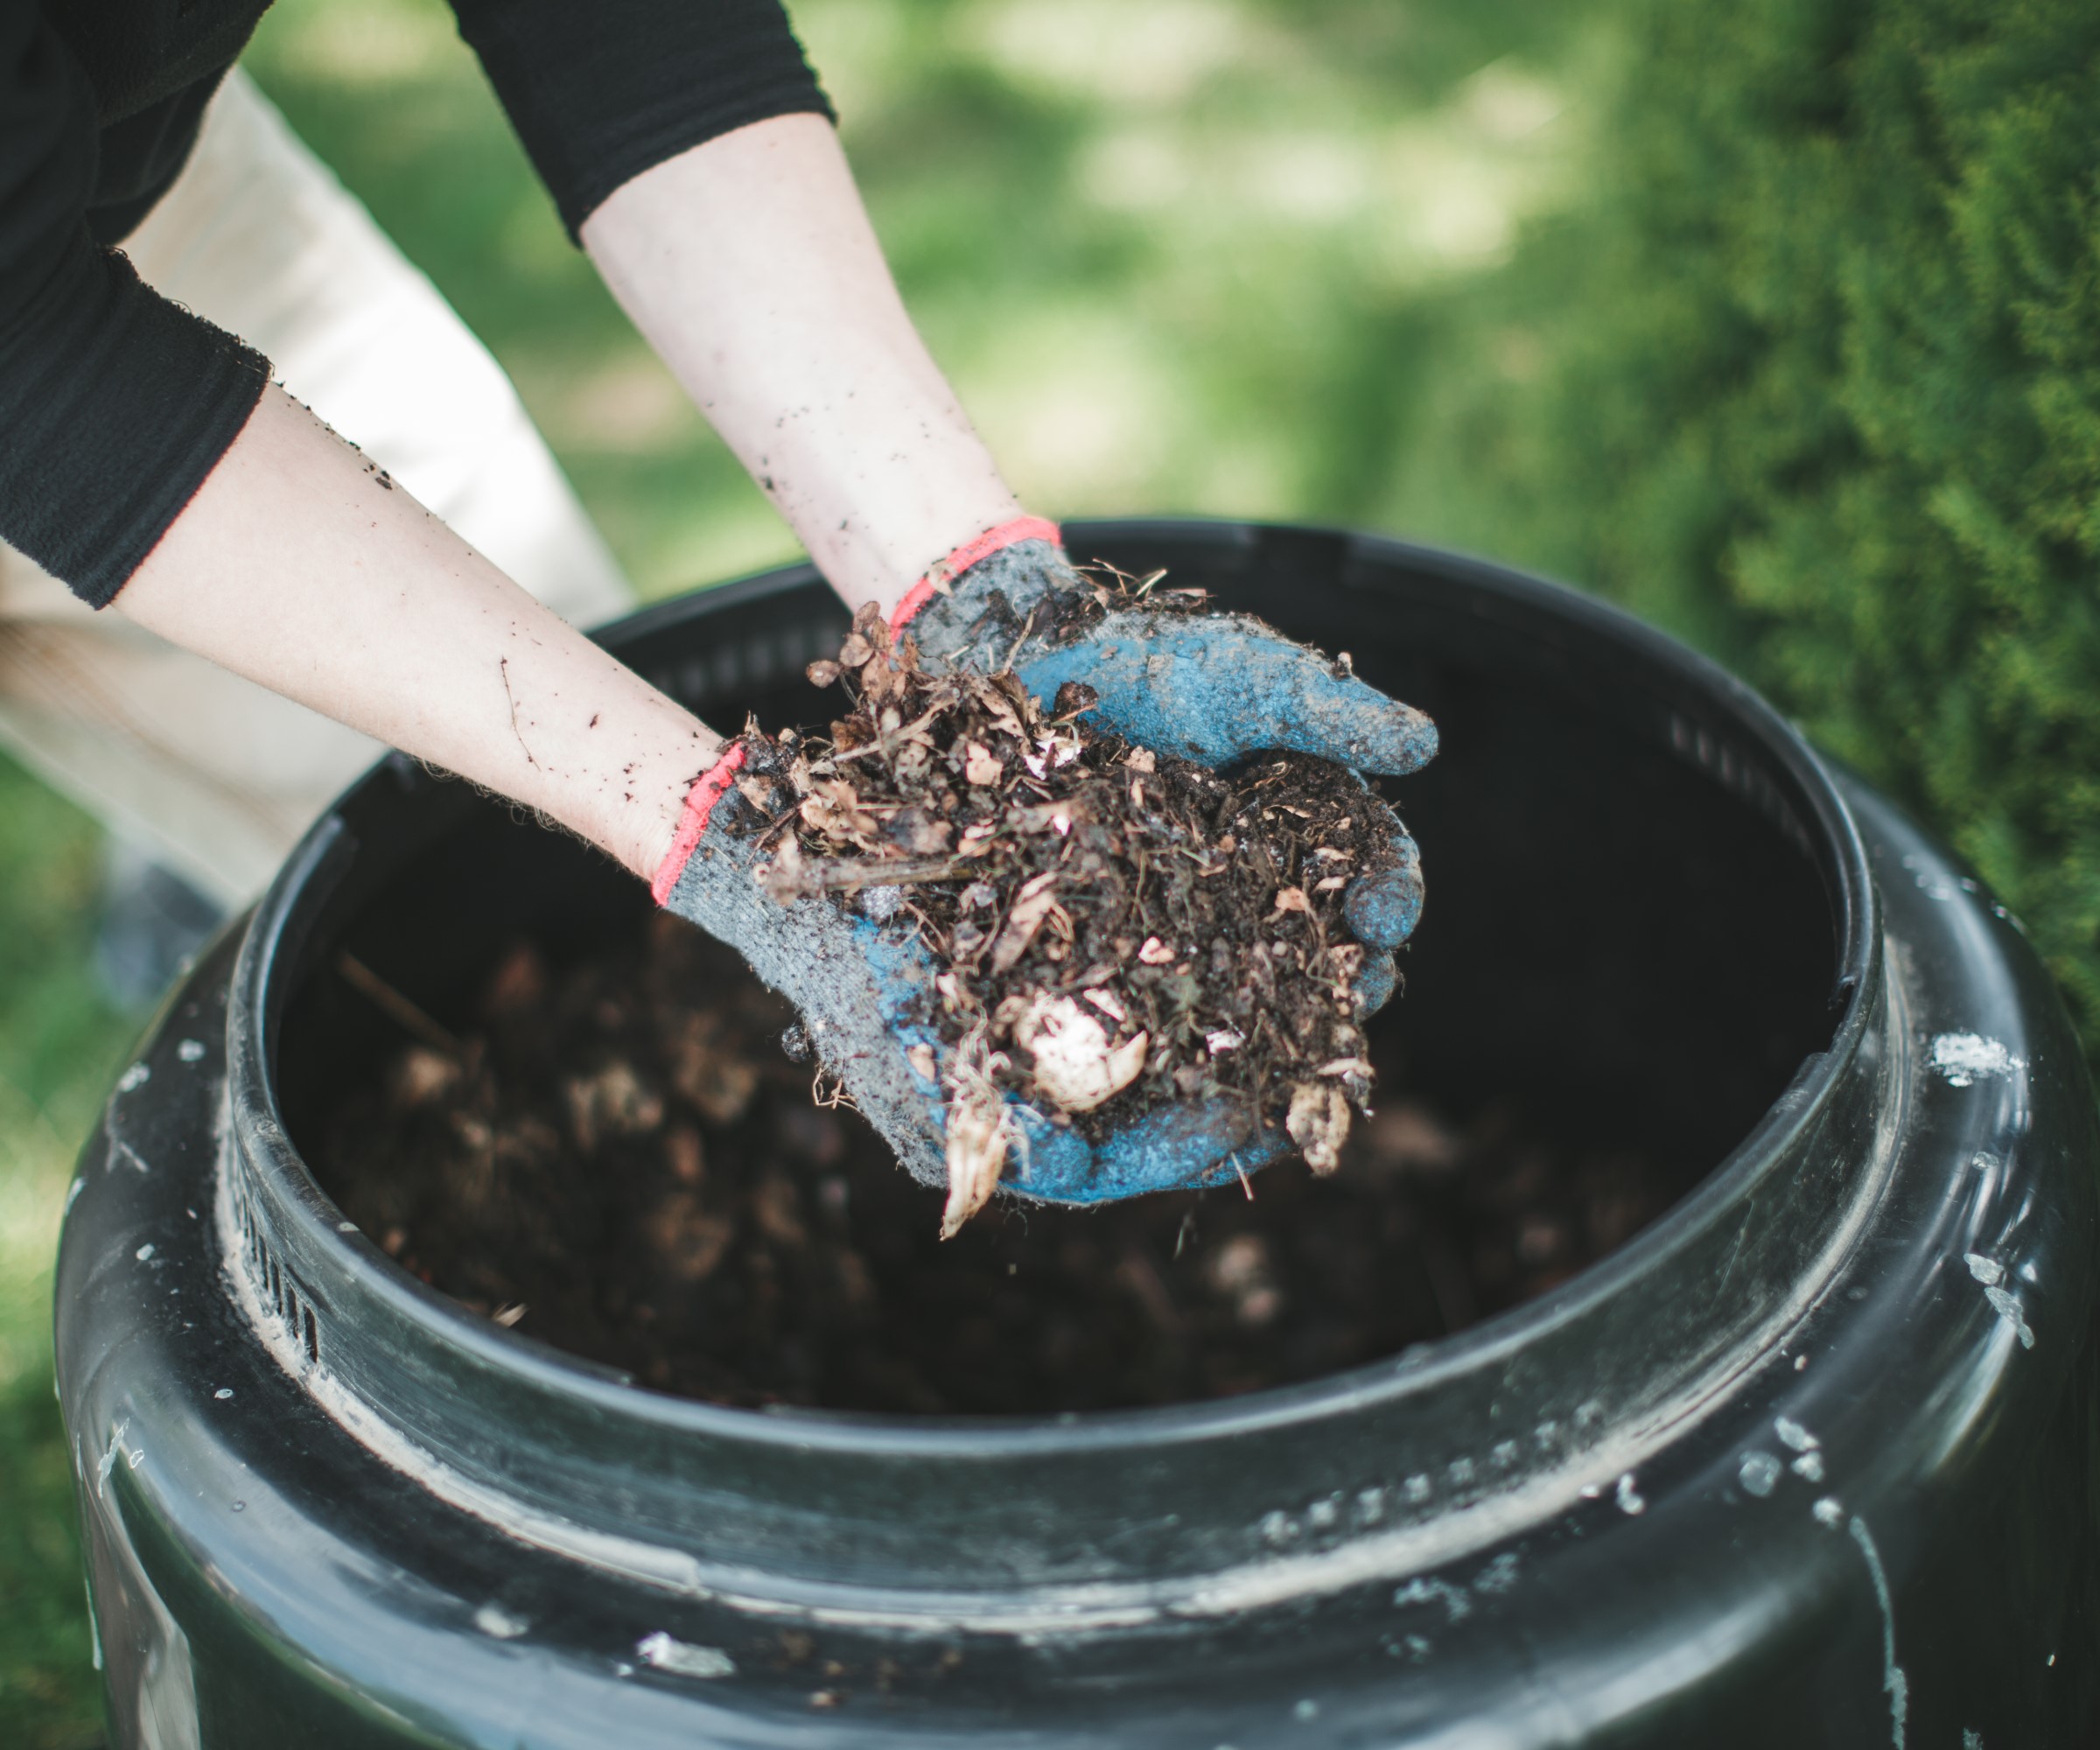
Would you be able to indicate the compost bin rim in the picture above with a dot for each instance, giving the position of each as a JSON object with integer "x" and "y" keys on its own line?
{"x": 269, "y": 945}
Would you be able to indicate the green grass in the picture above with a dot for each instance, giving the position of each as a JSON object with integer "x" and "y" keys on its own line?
{"x": 1198, "y": 256}
{"x": 59, "y": 1045}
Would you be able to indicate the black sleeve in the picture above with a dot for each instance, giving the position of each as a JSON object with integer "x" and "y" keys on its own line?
{"x": 601, "y": 92}
{"x": 115, "y": 403}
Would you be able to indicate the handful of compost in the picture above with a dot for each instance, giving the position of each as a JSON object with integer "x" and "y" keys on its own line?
{"x": 1000, "y": 626}
{"x": 1103, "y": 931}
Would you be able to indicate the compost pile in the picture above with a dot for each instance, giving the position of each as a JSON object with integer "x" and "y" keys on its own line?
{"x": 615, "y": 1155}
{"x": 1119, "y": 929}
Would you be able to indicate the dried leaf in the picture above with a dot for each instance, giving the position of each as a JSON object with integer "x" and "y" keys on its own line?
{"x": 1073, "y": 697}
{"x": 1155, "y": 952}
{"x": 782, "y": 878}
{"x": 918, "y": 831}
{"x": 877, "y": 678}
{"x": 1319, "y": 1123}
{"x": 979, "y": 767}
{"x": 855, "y": 651}
{"x": 1031, "y": 906}
{"x": 1292, "y": 899}
{"x": 980, "y": 1128}
{"x": 761, "y": 792}
{"x": 1047, "y": 817}
{"x": 823, "y": 672}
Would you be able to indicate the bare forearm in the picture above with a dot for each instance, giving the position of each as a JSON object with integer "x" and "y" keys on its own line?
{"x": 303, "y": 567}
{"x": 750, "y": 264}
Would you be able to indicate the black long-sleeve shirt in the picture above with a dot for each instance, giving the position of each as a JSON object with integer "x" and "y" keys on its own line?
{"x": 115, "y": 403}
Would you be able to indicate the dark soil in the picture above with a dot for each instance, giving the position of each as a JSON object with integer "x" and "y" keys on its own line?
{"x": 1121, "y": 929}
{"x": 621, "y": 1160}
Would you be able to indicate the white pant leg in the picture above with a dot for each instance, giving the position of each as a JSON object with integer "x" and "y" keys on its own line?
{"x": 213, "y": 774}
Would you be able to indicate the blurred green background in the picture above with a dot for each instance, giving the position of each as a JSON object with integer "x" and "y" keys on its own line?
{"x": 1781, "y": 323}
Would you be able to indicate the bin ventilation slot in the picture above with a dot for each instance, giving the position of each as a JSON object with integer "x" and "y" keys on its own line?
{"x": 278, "y": 1288}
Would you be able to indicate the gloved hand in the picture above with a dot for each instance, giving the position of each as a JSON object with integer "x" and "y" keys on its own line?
{"x": 862, "y": 982}
{"x": 1210, "y": 687}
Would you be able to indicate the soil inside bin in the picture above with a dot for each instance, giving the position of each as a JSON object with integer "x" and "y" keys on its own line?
{"x": 622, "y": 1149}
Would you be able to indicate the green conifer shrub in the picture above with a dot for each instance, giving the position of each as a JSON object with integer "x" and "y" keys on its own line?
{"x": 1823, "y": 393}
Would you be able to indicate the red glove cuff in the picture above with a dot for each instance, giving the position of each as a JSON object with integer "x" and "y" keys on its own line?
{"x": 969, "y": 553}
{"x": 699, "y": 804}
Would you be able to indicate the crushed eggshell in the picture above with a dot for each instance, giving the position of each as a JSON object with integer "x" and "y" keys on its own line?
{"x": 1076, "y": 1066}
{"x": 979, "y": 766}
{"x": 1109, "y": 1004}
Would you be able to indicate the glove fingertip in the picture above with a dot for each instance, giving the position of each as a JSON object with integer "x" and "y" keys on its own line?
{"x": 1398, "y": 740}
{"x": 1378, "y": 980}
{"x": 1383, "y": 910}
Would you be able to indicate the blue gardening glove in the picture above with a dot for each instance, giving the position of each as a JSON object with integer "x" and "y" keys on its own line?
{"x": 863, "y": 984}
{"x": 1210, "y": 687}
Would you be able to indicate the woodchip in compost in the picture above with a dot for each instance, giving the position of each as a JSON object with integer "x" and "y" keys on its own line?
{"x": 1117, "y": 928}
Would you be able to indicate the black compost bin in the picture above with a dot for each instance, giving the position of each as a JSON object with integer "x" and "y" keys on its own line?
{"x": 1808, "y": 1461}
